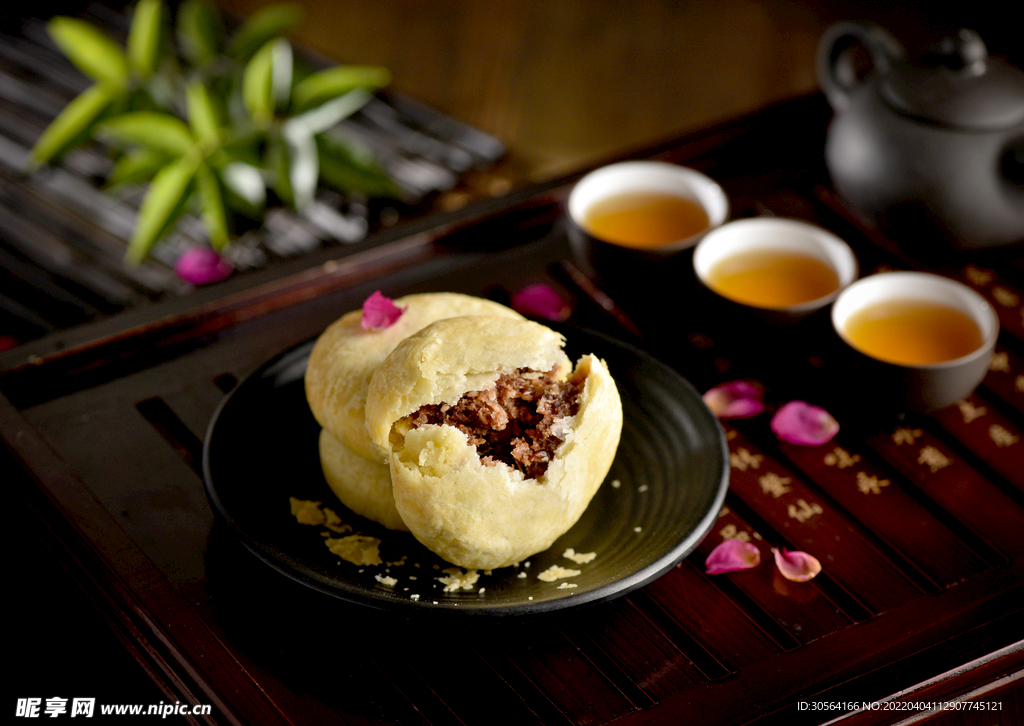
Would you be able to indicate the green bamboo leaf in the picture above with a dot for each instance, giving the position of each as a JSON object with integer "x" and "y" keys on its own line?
{"x": 154, "y": 130}
{"x": 203, "y": 115}
{"x": 303, "y": 166}
{"x": 270, "y": 22}
{"x": 213, "y": 212}
{"x": 137, "y": 166}
{"x": 330, "y": 83}
{"x": 244, "y": 187}
{"x": 279, "y": 165}
{"x": 200, "y": 31}
{"x": 257, "y": 88}
{"x": 162, "y": 204}
{"x": 72, "y": 124}
{"x": 144, "y": 37}
{"x": 281, "y": 74}
{"x": 351, "y": 168}
{"x": 94, "y": 52}
{"x": 327, "y": 115}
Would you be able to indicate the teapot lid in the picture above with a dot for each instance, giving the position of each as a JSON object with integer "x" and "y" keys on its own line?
{"x": 969, "y": 89}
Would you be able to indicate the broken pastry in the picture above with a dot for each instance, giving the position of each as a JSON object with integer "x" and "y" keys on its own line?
{"x": 338, "y": 374}
{"x": 496, "y": 443}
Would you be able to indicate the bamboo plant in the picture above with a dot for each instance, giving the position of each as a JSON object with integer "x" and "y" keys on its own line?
{"x": 220, "y": 123}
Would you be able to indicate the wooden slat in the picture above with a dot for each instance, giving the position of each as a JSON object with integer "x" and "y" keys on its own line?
{"x": 806, "y": 523}
{"x": 870, "y": 494}
{"x": 944, "y": 476}
{"x": 804, "y": 610}
{"x": 979, "y": 427}
{"x": 714, "y": 619}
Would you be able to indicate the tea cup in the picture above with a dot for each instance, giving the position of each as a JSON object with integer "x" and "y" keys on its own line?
{"x": 930, "y": 364}
{"x": 613, "y": 211}
{"x": 776, "y": 270}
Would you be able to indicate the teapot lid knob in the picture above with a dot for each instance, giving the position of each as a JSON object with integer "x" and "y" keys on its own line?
{"x": 967, "y": 89}
{"x": 965, "y": 50}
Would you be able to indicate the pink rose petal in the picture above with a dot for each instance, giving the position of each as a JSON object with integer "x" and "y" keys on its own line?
{"x": 802, "y": 423}
{"x": 202, "y": 266}
{"x": 379, "y": 312}
{"x": 737, "y": 399}
{"x": 796, "y": 566}
{"x": 541, "y": 301}
{"x": 732, "y": 555}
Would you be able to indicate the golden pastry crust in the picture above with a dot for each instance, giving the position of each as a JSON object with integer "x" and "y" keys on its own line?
{"x": 362, "y": 485}
{"x": 472, "y": 514}
{"x": 345, "y": 357}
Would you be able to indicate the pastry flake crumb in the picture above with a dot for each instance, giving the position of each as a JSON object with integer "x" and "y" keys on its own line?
{"x": 616, "y": 483}
{"x": 414, "y": 596}
{"x": 642, "y": 488}
{"x": 567, "y": 585}
{"x": 359, "y": 549}
{"x": 386, "y": 581}
{"x": 458, "y": 580}
{"x": 557, "y": 573}
{"x": 580, "y": 558}
{"x": 306, "y": 511}
{"x": 333, "y": 522}
{"x": 521, "y": 575}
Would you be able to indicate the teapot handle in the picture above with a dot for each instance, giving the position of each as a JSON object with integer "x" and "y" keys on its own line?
{"x": 836, "y": 73}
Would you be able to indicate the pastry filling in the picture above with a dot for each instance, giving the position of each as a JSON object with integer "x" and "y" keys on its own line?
{"x": 518, "y": 420}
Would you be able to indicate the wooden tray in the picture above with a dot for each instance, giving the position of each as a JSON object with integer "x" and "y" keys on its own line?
{"x": 918, "y": 520}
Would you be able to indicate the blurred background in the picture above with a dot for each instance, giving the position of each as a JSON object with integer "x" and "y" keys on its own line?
{"x": 565, "y": 83}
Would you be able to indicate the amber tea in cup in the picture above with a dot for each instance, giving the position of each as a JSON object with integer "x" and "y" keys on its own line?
{"x": 645, "y": 219}
{"x": 913, "y": 332}
{"x": 915, "y": 341}
{"x": 773, "y": 278}
{"x": 785, "y": 268}
{"x": 650, "y": 207}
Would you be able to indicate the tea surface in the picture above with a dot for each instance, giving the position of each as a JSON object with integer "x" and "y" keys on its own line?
{"x": 772, "y": 278}
{"x": 913, "y": 332}
{"x": 645, "y": 219}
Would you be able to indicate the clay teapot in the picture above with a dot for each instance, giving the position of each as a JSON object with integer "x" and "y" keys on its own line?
{"x": 930, "y": 148}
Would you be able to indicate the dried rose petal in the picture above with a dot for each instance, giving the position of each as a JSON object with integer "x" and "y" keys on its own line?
{"x": 805, "y": 424}
{"x": 202, "y": 266}
{"x": 796, "y": 566}
{"x": 541, "y": 301}
{"x": 732, "y": 555}
{"x": 737, "y": 399}
{"x": 379, "y": 312}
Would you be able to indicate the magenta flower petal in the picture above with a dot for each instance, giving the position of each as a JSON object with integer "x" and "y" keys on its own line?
{"x": 737, "y": 399}
{"x": 202, "y": 266}
{"x": 541, "y": 301}
{"x": 802, "y": 423}
{"x": 732, "y": 555}
{"x": 380, "y": 312}
{"x": 796, "y": 566}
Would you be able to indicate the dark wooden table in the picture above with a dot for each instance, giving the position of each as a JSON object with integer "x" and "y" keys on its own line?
{"x": 918, "y": 520}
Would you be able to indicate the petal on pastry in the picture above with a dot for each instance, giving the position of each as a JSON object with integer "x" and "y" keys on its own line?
{"x": 802, "y": 423}
{"x": 732, "y": 555}
{"x": 380, "y": 312}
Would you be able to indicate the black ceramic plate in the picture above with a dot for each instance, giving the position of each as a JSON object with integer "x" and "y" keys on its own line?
{"x": 662, "y": 495}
